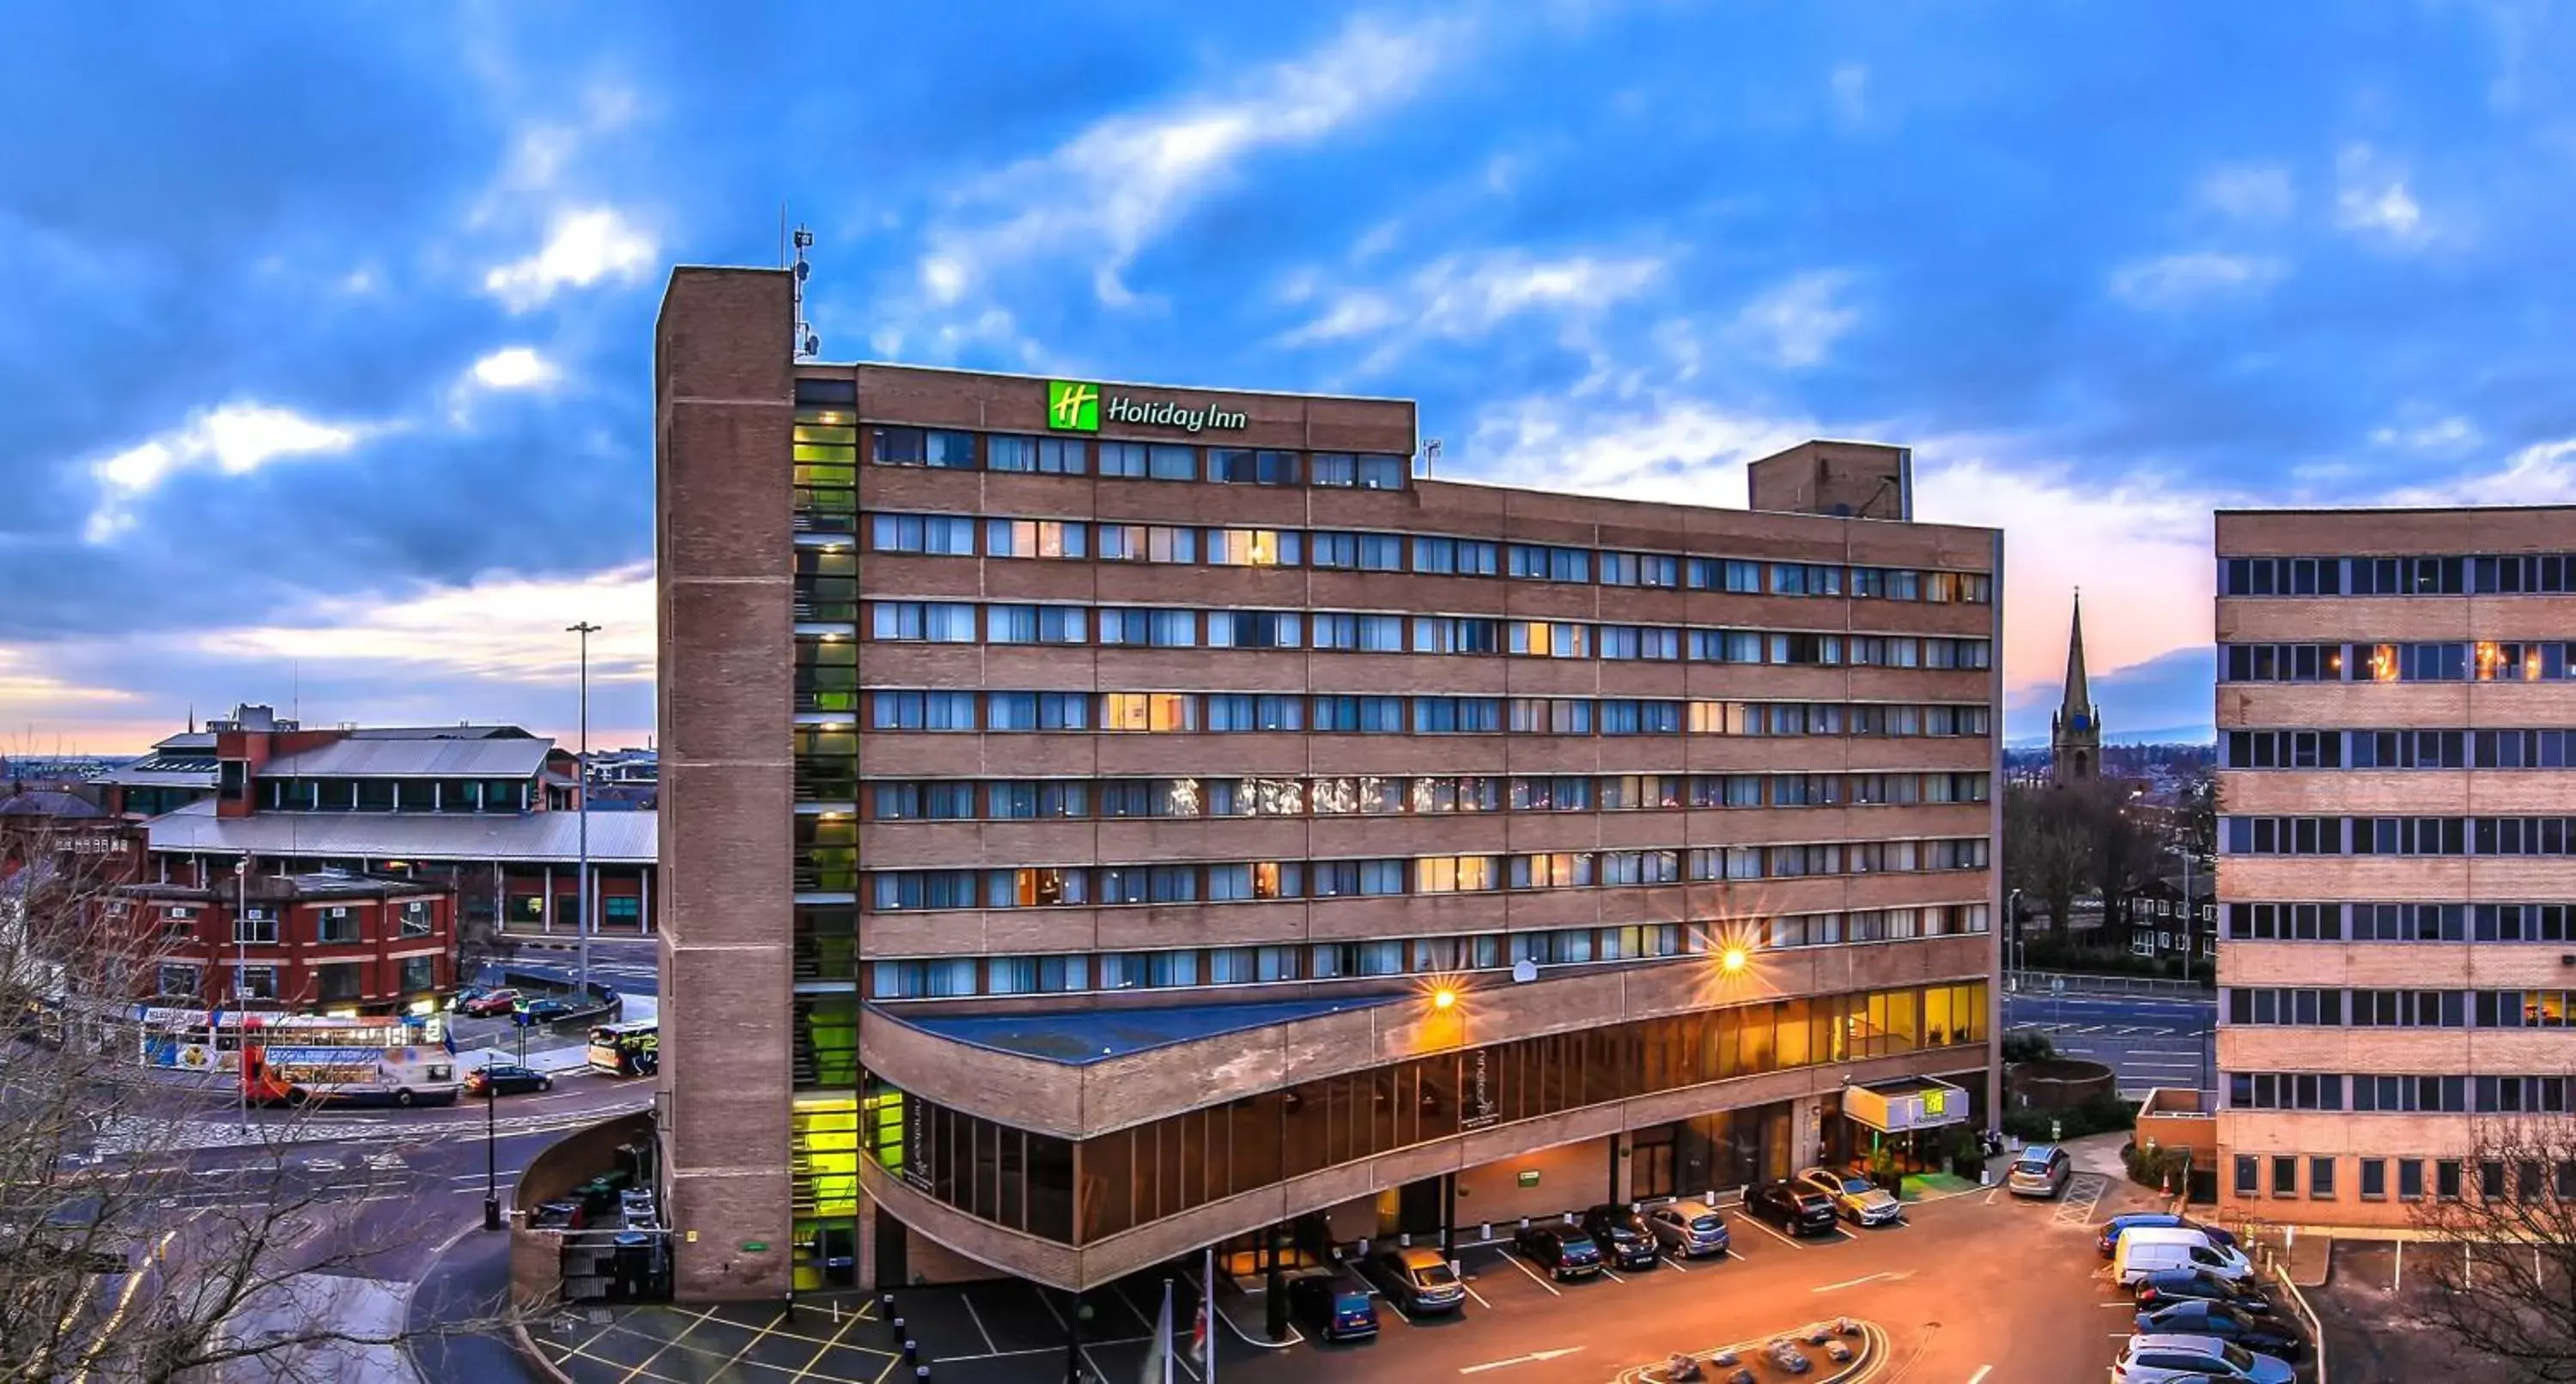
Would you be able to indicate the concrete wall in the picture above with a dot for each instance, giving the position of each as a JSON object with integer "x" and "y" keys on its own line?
{"x": 723, "y": 396}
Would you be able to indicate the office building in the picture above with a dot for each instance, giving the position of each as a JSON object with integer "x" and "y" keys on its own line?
{"x": 2395, "y": 717}
{"x": 1101, "y": 821}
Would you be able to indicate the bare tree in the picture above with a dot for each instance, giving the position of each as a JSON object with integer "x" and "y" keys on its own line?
{"x": 2046, "y": 854}
{"x": 2503, "y": 1260}
{"x": 130, "y": 1250}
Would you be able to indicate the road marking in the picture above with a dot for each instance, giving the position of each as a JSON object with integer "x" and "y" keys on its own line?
{"x": 1606, "y": 1273}
{"x": 1533, "y": 1358}
{"x": 971, "y": 1315}
{"x": 1515, "y": 1261}
{"x": 1980, "y": 1376}
{"x": 1673, "y": 1262}
{"x": 1851, "y": 1282}
{"x": 1776, "y": 1235}
{"x": 1479, "y": 1297}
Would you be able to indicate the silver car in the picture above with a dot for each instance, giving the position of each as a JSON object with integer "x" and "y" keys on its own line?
{"x": 2042, "y": 1170}
{"x": 2153, "y": 1359}
{"x": 1856, "y": 1198}
{"x": 1688, "y": 1228}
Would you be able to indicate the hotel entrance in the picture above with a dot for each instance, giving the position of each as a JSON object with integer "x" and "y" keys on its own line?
{"x": 1909, "y": 1119}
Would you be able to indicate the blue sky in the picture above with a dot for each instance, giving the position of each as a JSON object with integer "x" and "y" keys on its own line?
{"x": 326, "y": 339}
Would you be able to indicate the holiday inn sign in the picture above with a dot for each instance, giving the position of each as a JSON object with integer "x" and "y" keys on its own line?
{"x": 1076, "y": 407}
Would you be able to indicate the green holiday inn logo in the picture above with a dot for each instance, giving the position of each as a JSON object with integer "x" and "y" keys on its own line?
{"x": 1073, "y": 407}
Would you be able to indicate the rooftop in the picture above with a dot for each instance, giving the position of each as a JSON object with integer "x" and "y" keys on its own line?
{"x": 1078, "y": 1038}
{"x": 616, "y": 838}
{"x": 46, "y": 802}
{"x": 363, "y": 756}
{"x": 320, "y": 884}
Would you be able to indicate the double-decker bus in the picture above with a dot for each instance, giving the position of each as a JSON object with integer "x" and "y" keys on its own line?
{"x": 282, "y": 1068}
{"x": 626, "y": 1049}
{"x": 200, "y": 1041}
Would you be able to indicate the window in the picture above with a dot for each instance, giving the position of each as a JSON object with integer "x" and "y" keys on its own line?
{"x": 1038, "y": 887}
{"x": 2249, "y": 1180}
{"x": 1149, "y": 711}
{"x": 2321, "y": 1179}
{"x": 257, "y": 925}
{"x": 1035, "y": 538}
{"x": 898, "y": 890}
{"x": 1342, "y": 469}
{"x": 1019, "y": 711}
{"x": 891, "y": 710}
{"x": 255, "y": 982}
{"x": 1253, "y": 547}
{"x": 2446, "y": 1179}
{"x": 1462, "y": 557}
{"x": 1026, "y": 799}
{"x": 1166, "y": 461}
{"x": 2374, "y": 1179}
{"x": 335, "y": 925}
{"x": 934, "y": 447}
{"x": 1015, "y": 624}
{"x": 2285, "y": 1176}
{"x": 1241, "y": 711}
{"x": 936, "y": 622}
{"x": 1145, "y": 543}
{"x": 1052, "y": 456}
{"x": 1253, "y": 629}
{"x": 2410, "y": 1179}
{"x": 1122, "y": 458}
{"x": 1542, "y": 563}
{"x": 1243, "y": 466}
{"x": 950, "y": 534}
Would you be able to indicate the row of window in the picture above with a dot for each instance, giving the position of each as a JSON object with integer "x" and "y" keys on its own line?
{"x": 260, "y": 926}
{"x": 2514, "y": 574}
{"x": 1173, "y": 712}
{"x": 2529, "y": 1181}
{"x": 182, "y": 982}
{"x": 1373, "y": 795}
{"x": 957, "y": 977}
{"x": 829, "y": 436}
{"x": 2335, "y": 1008}
{"x": 394, "y": 795}
{"x": 2450, "y": 1095}
{"x": 890, "y": 891}
{"x": 955, "y": 535}
{"x": 2402, "y": 922}
{"x": 2484, "y": 660}
{"x": 958, "y": 622}
{"x": 2397, "y": 835}
{"x": 2398, "y": 749}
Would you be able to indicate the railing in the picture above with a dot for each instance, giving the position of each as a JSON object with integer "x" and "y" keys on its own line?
{"x": 2076, "y": 982}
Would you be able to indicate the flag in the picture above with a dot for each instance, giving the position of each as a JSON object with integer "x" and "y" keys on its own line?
{"x": 447, "y": 1038}
{"x": 1199, "y": 1337}
{"x": 1158, "y": 1360}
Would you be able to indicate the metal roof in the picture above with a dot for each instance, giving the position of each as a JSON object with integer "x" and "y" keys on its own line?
{"x": 137, "y": 776}
{"x": 443, "y": 758}
{"x": 1080, "y": 1037}
{"x": 47, "y": 802}
{"x": 616, "y": 838}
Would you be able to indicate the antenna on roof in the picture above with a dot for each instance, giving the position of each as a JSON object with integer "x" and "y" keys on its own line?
{"x": 807, "y": 344}
{"x": 1430, "y": 454}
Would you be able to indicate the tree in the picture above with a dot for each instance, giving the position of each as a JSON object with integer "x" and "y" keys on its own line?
{"x": 2503, "y": 1266}
{"x": 2123, "y": 852}
{"x": 128, "y": 1250}
{"x": 2046, "y": 854}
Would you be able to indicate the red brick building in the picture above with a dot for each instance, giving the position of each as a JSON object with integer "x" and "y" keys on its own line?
{"x": 315, "y": 943}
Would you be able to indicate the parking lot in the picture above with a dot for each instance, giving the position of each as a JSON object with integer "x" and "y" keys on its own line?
{"x": 1976, "y": 1288}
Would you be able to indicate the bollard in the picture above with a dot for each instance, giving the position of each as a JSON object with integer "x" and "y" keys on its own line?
{"x": 911, "y": 1350}
{"x": 1405, "y": 1240}
{"x": 886, "y": 1301}
{"x": 921, "y": 1371}
{"x": 1484, "y": 1230}
{"x": 896, "y": 1325}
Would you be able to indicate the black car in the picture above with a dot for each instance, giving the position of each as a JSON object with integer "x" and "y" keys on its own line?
{"x": 550, "y": 1011}
{"x": 506, "y": 1079}
{"x": 2200, "y": 1285}
{"x": 2196, "y": 1317}
{"x": 1563, "y": 1253}
{"x": 1795, "y": 1209}
{"x": 1624, "y": 1234}
{"x": 1334, "y": 1307}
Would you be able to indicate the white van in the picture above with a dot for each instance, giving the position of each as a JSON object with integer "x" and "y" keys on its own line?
{"x": 2143, "y": 1252}
{"x": 2189, "y": 1235}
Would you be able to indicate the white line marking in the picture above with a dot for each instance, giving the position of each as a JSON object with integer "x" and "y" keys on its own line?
{"x": 1776, "y": 1235}
{"x": 1980, "y": 1376}
{"x": 1515, "y": 1261}
{"x": 1479, "y": 1297}
{"x": 1534, "y": 1357}
{"x": 971, "y": 1315}
{"x": 1849, "y": 1283}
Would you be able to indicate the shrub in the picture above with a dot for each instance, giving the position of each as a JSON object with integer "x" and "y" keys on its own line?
{"x": 2028, "y": 1045}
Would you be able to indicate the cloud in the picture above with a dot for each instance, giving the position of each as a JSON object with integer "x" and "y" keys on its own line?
{"x": 1462, "y": 297}
{"x": 1795, "y": 323}
{"x": 234, "y": 439}
{"x": 1682, "y": 450}
{"x": 2447, "y": 434}
{"x": 1849, "y": 86}
{"x": 501, "y": 624}
{"x": 514, "y": 367}
{"x": 2254, "y": 192}
{"x": 1112, "y": 188}
{"x": 2372, "y": 199}
{"x": 2172, "y": 281}
{"x": 2543, "y": 473}
{"x": 584, "y": 248}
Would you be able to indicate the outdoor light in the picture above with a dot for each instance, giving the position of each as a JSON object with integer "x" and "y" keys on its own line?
{"x": 1732, "y": 959}
{"x": 1444, "y": 998}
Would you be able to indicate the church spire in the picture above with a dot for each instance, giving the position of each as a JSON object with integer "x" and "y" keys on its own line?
{"x": 2079, "y": 692}
{"x": 2075, "y": 733}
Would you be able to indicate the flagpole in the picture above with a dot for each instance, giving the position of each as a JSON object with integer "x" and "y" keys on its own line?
{"x": 1165, "y": 1334}
{"x": 1207, "y": 1310}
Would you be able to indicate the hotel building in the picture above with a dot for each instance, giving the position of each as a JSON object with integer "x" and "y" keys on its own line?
{"x": 2394, "y": 715}
{"x": 1102, "y": 821}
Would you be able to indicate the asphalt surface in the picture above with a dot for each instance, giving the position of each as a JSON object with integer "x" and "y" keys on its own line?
{"x": 2148, "y": 1042}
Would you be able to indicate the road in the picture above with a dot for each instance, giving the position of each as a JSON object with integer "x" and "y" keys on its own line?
{"x": 2150, "y": 1042}
{"x": 630, "y": 964}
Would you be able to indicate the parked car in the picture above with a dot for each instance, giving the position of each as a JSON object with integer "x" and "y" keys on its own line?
{"x": 1689, "y": 1228}
{"x": 1417, "y": 1280}
{"x": 2159, "y": 1220}
{"x": 2195, "y": 1285}
{"x": 1624, "y": 1235}
{"x": 506, "y": 1079}
{"x": 2262, "y": 1335}
{"x": 1564, "y": 1254}
{"x": 1797, "y": 1209}
{"x": 491, "y": 1002}
{"x": 2168, "y": 1359}
{"x": 2041, "y": 1171}
{"x": 466, "y": 995}
{"x": 2143, "y": 1252}
{"x": 1854, "y": 1196}
{"x": 1333, "y": 1306}
{"x": 548, "y": 1011}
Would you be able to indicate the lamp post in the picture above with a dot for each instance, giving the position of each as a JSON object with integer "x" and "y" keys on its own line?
{"x": 581, "y": 804}
{"x": 491, "y": 1153}
{"x": 2013, "y": 937}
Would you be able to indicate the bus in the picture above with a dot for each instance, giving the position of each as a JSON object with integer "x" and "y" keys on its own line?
{"x": 626, "y": 1049}
{"x": 199, "y": 1041}
{"x": 275, "y": 1073}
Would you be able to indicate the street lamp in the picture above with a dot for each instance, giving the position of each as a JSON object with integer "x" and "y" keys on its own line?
{"x": 581, "y": 804}
{"x": 491, "y": 1151}
{"x": 1733, "y": 960}
{"x": 2013, "y": 935}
